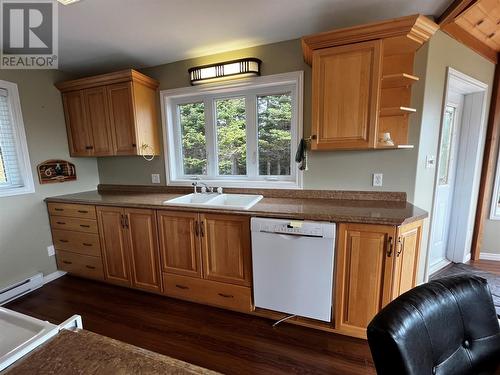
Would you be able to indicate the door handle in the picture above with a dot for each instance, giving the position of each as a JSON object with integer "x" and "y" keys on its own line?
{"x": 202, "y": 228}
{"x": 90, "y": 267}
{"x": 83, "y": 211}
{"x": 126, "y": 221}
{"x": 196, "y": 228}
{"x": 85, "y": 225}
{"x": 390, "y": 246}
{"x": 225, "y": 295}
{"x": 64, "y": 241}
{"x": 67, "y": 262}
{"x": 181, "y": 286}
{"x": 58, "y": 209}
{"x": 400, "y": 247}
{"x": 86, "y": 244}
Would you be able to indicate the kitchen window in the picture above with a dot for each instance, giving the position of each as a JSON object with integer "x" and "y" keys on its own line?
{"x": 239, "y": 134}
{"x": 15, "y": 169}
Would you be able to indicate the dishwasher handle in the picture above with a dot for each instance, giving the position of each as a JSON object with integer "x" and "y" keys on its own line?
{"x": 290, "y": 236}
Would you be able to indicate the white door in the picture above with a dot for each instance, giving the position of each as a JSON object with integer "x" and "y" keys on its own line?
{"x": 448, "y": 150}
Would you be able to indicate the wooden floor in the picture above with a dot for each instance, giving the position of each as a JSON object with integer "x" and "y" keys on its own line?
{"x": 492, "y": 266}
{"x": 220, "y": 340}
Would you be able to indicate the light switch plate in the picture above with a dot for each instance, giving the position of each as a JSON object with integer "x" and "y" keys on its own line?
{"x": 155, "y": 178}
{"x": 51, "y": 251}
{"x": 378, "y": 179}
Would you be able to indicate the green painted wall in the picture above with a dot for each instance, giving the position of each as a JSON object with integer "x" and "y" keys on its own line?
{"x": 24, "y": 224}
{"x": 443, "y": 52}
{"x": 348, "y": 170}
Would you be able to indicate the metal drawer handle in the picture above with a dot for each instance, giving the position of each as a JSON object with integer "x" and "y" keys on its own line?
{"x": 226, "y": 295}
{"x": 181, "y": 286}
{"x": 58, "y": 209}
{"x": 83, "y": 211}
{"x": 60, "y": 222}
{"x": 85, "y": 226}
{"x": 64, "y": 241}
{"x": 90, "y": 267}
{"x": 67, "y": 262}
{"x": 86, "y": 244}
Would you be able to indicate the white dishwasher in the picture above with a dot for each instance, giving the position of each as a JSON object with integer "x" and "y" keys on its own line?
{"x": 293, "y": 266}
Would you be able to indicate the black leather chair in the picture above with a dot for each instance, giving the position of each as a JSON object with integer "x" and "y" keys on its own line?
{"x": 445, "y": 327}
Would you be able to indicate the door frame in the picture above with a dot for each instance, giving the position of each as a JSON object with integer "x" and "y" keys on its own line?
{"x": 470, "y": 152}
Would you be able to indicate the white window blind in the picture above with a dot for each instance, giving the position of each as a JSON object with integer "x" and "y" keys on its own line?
{"x": 15, "y": 173}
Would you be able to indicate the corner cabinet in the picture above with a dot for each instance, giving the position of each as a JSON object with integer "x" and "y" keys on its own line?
{"x": 111, "y": 114}
{"x": 375, "y": 264}
{"x": 361, "y": 83}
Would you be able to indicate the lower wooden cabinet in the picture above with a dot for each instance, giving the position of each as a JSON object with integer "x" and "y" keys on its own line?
{"x": 226, "y": 248}
{"x": 130, "y": 247}
{"x": 209, "y": 252}
{"x": 179, "y": 243}
{"x": 80, "y": 265}
{"x": 206, "y": 258}
{"x": 375, "y": 264}
{"x": 213, "y": 293}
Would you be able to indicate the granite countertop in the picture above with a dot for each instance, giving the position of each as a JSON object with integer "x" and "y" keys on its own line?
{"x": 386, "y": 212}
{"x": 84, "y": 352}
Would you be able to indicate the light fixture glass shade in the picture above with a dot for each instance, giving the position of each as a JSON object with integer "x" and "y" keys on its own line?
{"x": 67, "y": 2}
{"x": 225, "y": 70}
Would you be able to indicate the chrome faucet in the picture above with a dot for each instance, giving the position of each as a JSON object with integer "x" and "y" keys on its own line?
{"x": 207, "y": 188}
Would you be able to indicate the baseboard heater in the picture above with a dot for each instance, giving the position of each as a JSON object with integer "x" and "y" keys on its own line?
{"x": 22, "y": 287}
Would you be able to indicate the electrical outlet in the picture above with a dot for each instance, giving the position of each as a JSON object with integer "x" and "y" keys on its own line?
{"x": 155, "y": 178}
{"x": 51, "y": 251}
{"x": 378, "y": 179}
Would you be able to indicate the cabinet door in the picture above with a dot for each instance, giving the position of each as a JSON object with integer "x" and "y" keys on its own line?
{"x": 143, "y": 248}
{"x": 407, "y": 254}
{"x": 179, "y": 243}
{"x": 364, "y": 266}
{"x": 122, "y": 118}
{"x": 79, "y": 136}
{"x": 96, "y": 109}
{"x": 226, "y": 248}
{"x": 345, "y": 96}
{"x": 113, "y": 245}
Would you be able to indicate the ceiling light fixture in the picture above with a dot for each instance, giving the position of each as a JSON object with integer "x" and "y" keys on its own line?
{"x": 68, "y": 2}
{"x": 240, "y": 68}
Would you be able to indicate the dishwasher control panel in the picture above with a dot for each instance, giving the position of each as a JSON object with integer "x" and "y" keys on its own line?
{"x": 294, "y": 227}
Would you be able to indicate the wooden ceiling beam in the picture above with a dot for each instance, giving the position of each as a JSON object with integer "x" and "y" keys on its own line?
{"x": 470, "y": 41}
{"x": 454, "y": 10}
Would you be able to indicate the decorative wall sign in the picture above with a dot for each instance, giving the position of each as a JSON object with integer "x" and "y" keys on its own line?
{"x": 51, "y": 171}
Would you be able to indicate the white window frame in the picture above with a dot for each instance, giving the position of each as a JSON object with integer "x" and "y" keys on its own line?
{"x": 21, "y": 144}
{"x": 266, "y": 85}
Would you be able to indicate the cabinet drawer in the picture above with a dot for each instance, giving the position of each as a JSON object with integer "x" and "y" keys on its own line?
{"x": 73, "y": 223}
{"x": 77, "y": 242}
{"x": 82, "y": 211}
{"x": 81, "y": 265}
{"x": 228, "y": 296}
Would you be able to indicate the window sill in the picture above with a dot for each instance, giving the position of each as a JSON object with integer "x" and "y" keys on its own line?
{"x": 255, "y": 184}
{"x": 8, "y": 192}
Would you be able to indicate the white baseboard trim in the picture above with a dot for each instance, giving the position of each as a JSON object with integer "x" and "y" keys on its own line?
{"x": 433, "y": 268}
{"x": 53, "y": 276}
{"x": 489, "y": 256}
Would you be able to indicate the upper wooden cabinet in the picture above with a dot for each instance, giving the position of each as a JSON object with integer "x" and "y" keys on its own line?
{"x": 361, "y": 82}
{"x": 111, "y": 114}
{"x": 345, "y": 95}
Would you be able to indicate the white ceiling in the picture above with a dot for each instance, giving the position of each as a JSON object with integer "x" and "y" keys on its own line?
{"x": 104, "y": 35}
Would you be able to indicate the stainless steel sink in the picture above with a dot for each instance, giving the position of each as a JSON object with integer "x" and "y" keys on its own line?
{"x": 221, "y": 201}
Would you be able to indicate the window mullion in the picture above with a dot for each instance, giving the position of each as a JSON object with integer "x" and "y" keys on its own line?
{"x": 251, "y": 132}
{"x": 211, "y": 135}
